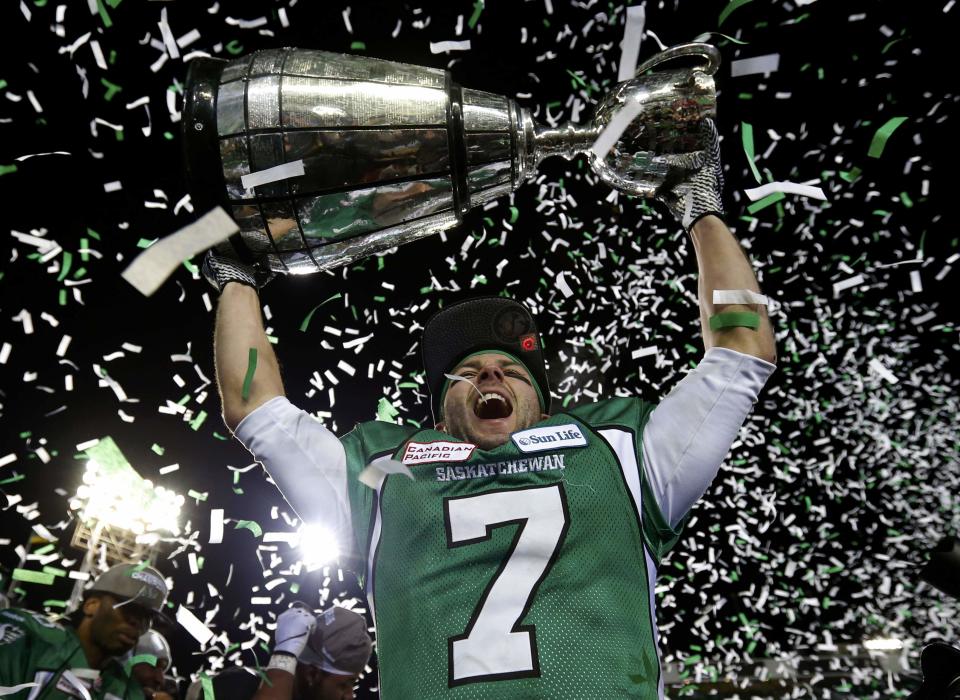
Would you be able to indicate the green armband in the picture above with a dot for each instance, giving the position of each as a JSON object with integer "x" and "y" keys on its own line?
{"x": 735, "y": 319}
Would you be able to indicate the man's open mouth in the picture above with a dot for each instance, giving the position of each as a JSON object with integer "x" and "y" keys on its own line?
{"x": 491, "y": 406}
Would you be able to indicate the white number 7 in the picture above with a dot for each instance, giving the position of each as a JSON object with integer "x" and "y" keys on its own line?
{"x": 495, "y": 646}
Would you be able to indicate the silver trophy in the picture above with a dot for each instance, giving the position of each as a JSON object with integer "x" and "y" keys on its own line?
{"x": 356, "y": 155}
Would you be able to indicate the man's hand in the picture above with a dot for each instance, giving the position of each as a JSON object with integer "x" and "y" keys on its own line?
{"x": 703, "y": 194}
{"x": 293, "y": 630}
{"x": 220, "y": 270}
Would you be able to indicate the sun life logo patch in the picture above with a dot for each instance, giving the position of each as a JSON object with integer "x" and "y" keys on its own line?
{"x": 549, "y": 438}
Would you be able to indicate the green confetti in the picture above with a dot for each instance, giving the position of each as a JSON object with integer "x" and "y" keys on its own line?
{"x": 65, "y": 268}
{"x": 207, "y": 686}
{"x": 905, "y": 198}
{"x": 746, "y": 132}
{"x": 103, "y": 14}
{"x": 139, "y": 659}
{"x": 54, "y": 571}
{"x": 385, "y": 411}
{"x": 93, "y": 234}
{"x": 477, "y": 9}
{"x": 7, "y": 169}
{"x": 727, "y": 37}
{"x": 196, "y": 494}
{"x": 198, "y": 421}
{"x": 766, "y": 202}
{"x": 852, "y": 175}
{"x": 883, "y": 134}
{"x": 514, "y": 214}
{"x": 157, "y": 449}
{"x": 250, "y": 525}
{"x": 111, "y": 88}
{"x": 28, "y": 576}
{"x": 306, "y": 321}
{"x": 734, "y": 4}
{"x": 357, "y": 46}
{"x": 251, "y": 370}
{"x": 236, "y": 48}
{"x": 146, "y": 242}
{"x": 54, "y": 603}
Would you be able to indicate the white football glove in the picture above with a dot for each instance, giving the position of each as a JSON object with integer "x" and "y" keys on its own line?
{"x": 294, "y": 627}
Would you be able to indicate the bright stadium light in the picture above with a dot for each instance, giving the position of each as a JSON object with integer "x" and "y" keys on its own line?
{"x": 126, "y": 502}
{"x": 318, "y": 546}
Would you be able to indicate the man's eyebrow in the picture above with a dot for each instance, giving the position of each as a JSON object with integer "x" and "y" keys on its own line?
{"x": 504, "y": 362}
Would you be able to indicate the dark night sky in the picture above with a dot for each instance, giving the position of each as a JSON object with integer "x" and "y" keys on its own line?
{"x": 841, "y": 477}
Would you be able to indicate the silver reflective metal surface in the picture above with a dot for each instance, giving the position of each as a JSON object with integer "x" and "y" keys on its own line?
{"x": 394, "y": 152}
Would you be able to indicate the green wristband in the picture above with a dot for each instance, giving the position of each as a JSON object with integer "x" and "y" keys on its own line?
{"x": 735, "y": 319}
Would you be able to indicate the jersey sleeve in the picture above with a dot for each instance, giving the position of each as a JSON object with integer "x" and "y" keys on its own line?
{"x": 14, "y": 654}
{"x": 691, "y": 430}
{"x": 305, "y": 460}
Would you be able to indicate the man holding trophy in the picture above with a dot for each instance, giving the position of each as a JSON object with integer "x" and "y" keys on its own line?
{"x": 510, "y": 551}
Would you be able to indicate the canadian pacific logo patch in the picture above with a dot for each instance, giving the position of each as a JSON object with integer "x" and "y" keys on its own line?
{"x": 550, "y": 438}
{"x": 439, "y": 451}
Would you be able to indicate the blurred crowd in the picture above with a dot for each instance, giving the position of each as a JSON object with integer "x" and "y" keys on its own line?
{"x": 107, "y": 649}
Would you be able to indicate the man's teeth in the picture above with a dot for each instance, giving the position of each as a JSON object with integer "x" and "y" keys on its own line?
{"x": 487, "y": 397}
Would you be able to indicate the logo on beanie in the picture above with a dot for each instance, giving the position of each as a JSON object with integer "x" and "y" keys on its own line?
{"x": 510, "y": 324}
{"x": 154, "y": 585}
{"x": 528, "y": 342}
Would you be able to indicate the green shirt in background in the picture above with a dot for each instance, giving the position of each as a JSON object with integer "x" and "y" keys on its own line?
{"x": 35, "y": 650}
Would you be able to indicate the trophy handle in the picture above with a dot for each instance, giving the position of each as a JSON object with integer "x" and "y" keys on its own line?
{"x": 706, "y": 51}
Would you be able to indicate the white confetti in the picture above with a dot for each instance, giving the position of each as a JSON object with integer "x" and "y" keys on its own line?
{"x": 615, "y": 127}
{"x": 768, "y": 63}
{"x": 153, "y": 266}
{"x": 216, "y": 526}
{"x": 441, "y": 46}
{"x": 811, "y": 191}
{"x": 630, "y": 46}
{"x": 197, "y": 629}
{"x": 274, "y": 174}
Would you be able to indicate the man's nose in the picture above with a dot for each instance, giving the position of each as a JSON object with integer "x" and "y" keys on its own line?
{"x": 490, "y": 372}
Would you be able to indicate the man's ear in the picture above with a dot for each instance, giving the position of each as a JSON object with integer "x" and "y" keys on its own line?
{"x": 440, "y": 426}
{"x": 544, "y": 416}
{"x": 91, "y": 606}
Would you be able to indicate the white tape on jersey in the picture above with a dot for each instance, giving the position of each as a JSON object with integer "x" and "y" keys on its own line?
{"x": 739, "y": 296}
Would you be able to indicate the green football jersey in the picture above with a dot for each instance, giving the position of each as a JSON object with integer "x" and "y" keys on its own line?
{"x": 35, "y": 650}
{"x": 525, "y": 571}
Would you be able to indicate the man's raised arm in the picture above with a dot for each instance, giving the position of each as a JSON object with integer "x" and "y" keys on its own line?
{"x": 306, "y": 460}
{"x": 240, "y": 343}
{"x": 735, "y": 320}
{"x": 724, "y": 266}
{"x": 691, "y": 430}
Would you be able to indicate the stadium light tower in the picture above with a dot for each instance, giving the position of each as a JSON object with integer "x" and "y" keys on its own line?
{"x": 121, "y": 516}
